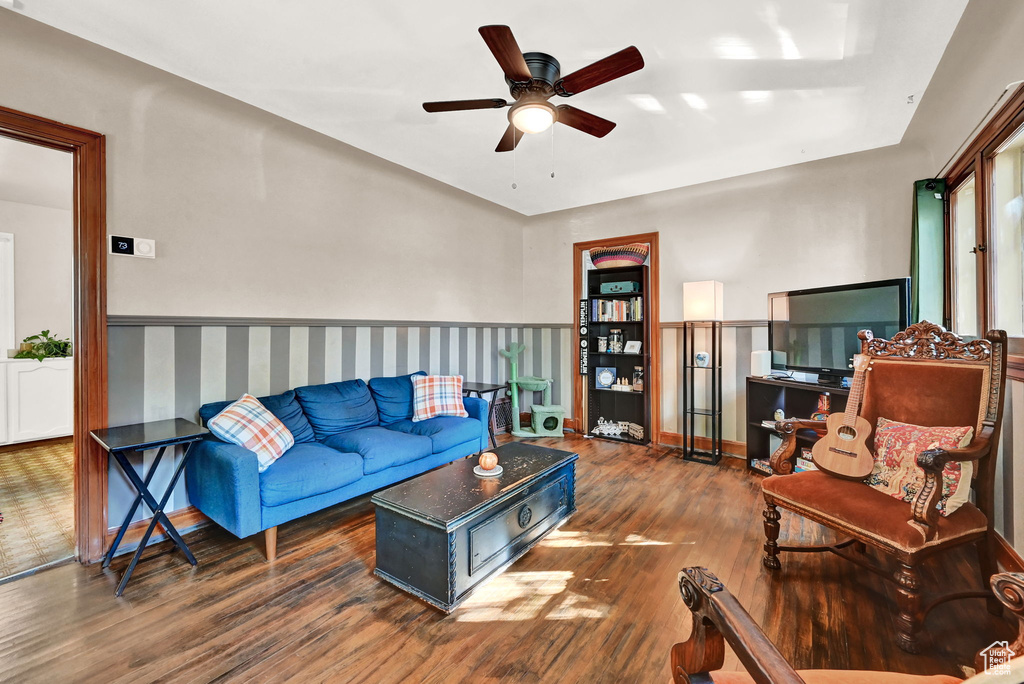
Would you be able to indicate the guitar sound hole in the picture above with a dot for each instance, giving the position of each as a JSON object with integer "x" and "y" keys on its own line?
{"x": 847, "y": 433}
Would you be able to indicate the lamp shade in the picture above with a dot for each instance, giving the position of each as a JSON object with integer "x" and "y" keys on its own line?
{"x": 702, "y": 301}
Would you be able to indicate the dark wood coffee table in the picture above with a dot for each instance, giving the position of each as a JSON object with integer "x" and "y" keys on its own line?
{"x": 443, "y": 534}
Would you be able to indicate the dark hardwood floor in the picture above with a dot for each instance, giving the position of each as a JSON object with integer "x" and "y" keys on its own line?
{"x": 596, "y": 602}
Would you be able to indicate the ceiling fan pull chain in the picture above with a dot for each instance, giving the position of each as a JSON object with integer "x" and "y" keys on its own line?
{"x": 552, "y": 151}
{"x": 514, "y": 186}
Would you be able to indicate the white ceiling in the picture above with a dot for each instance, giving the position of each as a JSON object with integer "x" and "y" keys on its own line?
{"x": 30, "y": 174}
{"x": 729, "y": 88}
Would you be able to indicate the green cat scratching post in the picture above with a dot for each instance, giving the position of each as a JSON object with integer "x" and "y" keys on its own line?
{"x": 546, "y": 419}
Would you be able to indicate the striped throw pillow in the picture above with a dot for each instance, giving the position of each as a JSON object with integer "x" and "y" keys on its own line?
{"x": 249, "y": 424}
{"x": 437, "y": 395}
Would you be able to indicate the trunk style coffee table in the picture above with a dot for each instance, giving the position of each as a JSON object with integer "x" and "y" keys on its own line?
{"x": 444, "y": 533}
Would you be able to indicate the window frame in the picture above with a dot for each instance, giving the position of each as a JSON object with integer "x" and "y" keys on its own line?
{"x": 977, "y": 159}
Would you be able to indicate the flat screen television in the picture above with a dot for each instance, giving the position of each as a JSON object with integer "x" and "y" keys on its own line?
{"x": 815, "y": 330}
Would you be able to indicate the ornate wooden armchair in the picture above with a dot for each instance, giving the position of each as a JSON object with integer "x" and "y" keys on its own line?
{"x": 718, "y": 618}
{"x": 923, "y": 376}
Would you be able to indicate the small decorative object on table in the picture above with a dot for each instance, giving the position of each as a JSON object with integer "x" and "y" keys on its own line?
{"x": 824, "y": 407}
{"x": 488, "y": 465}
{"x": 780, "y": 415}
{"x": 602, "y": 344}
{"x": 638, "y": 378}
{"x": 615, "y": 341}
{"x": 702, "y": 359}
{"x": 634, "y": 254}
{"x": 633, "y": 347}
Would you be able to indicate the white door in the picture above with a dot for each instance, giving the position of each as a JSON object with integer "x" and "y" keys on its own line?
{"x": 39, "y": 399}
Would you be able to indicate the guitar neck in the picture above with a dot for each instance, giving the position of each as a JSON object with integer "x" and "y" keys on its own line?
{"x": 855, "y": 398}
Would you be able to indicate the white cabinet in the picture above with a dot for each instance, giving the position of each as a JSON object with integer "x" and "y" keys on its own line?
{"x": 39, "y": 399}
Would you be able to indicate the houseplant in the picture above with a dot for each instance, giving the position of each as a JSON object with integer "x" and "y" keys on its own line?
{"x": 42, "y": 346}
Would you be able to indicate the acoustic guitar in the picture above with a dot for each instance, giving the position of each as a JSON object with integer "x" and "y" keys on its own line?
{"x": 843, "y": 450}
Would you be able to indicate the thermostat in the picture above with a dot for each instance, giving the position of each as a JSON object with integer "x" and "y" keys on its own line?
{"x": 129, "y": 246}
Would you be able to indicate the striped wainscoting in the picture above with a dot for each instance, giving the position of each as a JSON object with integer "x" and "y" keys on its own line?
{"x": 167, "y": 368}
{"x": 739, "y": 338}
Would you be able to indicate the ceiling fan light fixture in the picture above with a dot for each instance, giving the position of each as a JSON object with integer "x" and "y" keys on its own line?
{"x": 533, "y": 117}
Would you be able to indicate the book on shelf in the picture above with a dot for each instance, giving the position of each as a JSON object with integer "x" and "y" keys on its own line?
{"x": 617, "y": 310}
{"x": 761, "y": 465}
{"x": 804, "y": 461}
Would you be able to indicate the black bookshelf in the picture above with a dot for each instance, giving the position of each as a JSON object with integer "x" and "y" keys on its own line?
{"x": 617, "y": 405}
{"x": 796, "y": 399}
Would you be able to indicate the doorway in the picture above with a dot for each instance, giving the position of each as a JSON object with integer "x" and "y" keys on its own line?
{"x": 579, "y": 249}
{"x": 89, "y": 312}
{"x": 36, "y": 357}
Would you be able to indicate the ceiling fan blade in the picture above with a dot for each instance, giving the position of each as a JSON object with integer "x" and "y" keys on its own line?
{"x": 459, "y": 105}
{"x": 511, "y": 138}
{"x": 608, "y": 69}
{"x": 506, "y": 50}
{"x": 584, "y": 121}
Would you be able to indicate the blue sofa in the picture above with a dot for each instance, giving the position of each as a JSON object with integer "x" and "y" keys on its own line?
{"x": 351, "y": 438}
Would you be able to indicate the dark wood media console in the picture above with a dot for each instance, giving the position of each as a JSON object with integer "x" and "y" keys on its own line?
{"x": 796, "y": 399}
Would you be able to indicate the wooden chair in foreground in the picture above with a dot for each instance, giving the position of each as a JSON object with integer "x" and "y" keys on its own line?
{"x": 924, "y": 376}
{"x": 718, "y": 618}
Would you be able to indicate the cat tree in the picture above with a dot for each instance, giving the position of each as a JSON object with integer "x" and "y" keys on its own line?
{"x": 545, "y": 418}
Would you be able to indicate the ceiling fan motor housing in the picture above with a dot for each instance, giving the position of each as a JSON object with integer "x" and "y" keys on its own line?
{"x": 545, "y": 70}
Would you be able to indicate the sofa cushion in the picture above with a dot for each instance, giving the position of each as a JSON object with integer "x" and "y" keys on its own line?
{"x": 306, "y": 470}
{"x": 393, "y": 397}
{"x": 248, "y": 424}
{"x": 284, "y": 406}
{"x": 444, "y": 431}
{"x": 337, "y": 407}
{"x": 380, "y": 447}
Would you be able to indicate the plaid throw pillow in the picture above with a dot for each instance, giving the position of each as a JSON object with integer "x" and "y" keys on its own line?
{"x": 249, "y": 424}
{"x": 437, "y": 395}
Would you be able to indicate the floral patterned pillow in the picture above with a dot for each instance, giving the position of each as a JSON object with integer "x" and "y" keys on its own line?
{"x": 897, "y": 474}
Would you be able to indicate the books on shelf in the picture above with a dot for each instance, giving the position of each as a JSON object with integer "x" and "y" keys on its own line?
{"x": 761, "y": 465}
{"x": 617, "y": 310}
{"x": 804, "y": 462}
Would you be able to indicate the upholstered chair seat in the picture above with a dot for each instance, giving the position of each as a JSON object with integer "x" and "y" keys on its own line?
{"x": 852, "y": 509}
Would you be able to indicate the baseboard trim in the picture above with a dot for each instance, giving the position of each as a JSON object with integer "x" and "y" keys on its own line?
{"x": 1007, "y": 556}
{"x": 184, "y": 520}
{"x": 728, "y": 446}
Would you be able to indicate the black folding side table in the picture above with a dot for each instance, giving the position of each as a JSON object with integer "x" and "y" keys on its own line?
{"x": 480, "y": 389}
{"x": 118, "y": 441}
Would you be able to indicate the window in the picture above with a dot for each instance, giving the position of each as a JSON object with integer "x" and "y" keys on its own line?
{"x": 985, "y": 229}
{"x": 962, "y": 208}
{"x": 1007, "y": 249}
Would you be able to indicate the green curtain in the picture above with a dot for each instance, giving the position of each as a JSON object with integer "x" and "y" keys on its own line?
{"x": 928, "y": 251}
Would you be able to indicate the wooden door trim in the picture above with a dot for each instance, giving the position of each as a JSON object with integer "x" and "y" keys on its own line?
{"x": 654, "y": 344}
{"x": 90, "y": 312}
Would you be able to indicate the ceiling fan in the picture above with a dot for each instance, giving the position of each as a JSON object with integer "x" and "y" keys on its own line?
{"x": 533, "y": 79}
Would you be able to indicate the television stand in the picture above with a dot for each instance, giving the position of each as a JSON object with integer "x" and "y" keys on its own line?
{"x": 796, "y": 399}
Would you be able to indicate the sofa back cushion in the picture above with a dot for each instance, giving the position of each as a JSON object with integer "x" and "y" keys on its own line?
{"x": 285, "y": 406}
{"x": 393, "y": 397}
{"x": 337, "y": 407}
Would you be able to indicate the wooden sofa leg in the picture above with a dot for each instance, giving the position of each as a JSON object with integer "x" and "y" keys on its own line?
{"x": 771, "y": 532}
{"x": 271, "y": 537}
{"x": 908, "y": 622}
